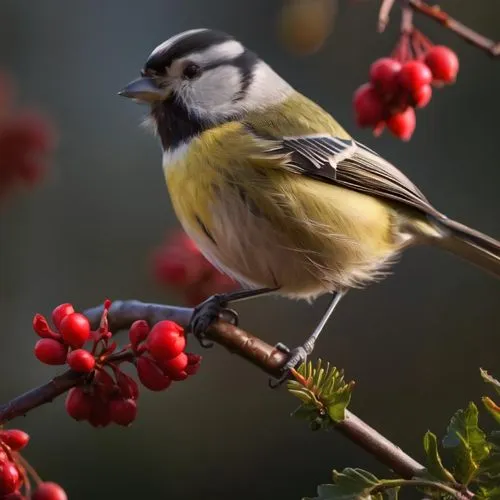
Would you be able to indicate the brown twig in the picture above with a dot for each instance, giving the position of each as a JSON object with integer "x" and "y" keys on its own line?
{"x": 435, "y": 13}
{"x": 264, "y": 356}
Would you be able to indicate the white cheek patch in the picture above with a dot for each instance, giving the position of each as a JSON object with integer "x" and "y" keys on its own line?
{"x": 216, "y": 88}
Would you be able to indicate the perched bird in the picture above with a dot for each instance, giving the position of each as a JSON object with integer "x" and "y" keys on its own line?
{"x": 272, "y": 189}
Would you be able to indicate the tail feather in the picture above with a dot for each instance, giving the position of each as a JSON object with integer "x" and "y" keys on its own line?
{"x": 471, "y": 245}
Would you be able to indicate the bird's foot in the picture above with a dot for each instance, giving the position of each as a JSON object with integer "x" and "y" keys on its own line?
{"x": 209, "y": 311}
{"x": 297, "y": 356}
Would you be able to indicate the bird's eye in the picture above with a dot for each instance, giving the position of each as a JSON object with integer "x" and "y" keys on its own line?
{"x": 191, "y": 71}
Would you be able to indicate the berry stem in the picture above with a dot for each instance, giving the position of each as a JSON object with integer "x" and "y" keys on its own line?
{"x": 463, "y": 31}
{"x": 435, "y": 13}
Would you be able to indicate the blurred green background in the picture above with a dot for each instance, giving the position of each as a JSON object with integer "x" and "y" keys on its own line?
{"x": 413, "y": 343}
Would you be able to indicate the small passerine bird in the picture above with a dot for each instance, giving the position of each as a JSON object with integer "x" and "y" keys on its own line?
{"x": 272, "y": 189}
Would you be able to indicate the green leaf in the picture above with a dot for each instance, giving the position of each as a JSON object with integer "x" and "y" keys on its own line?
{"x": 468, "y": 443}
{"x": 323, "y": 387}
{"x": 336, "y": 410}
{"x": 490, "y": 469}
{"x": 490, "y": 380}
{"x": 489, "y": 493}
{"x": 435, "y": 466}
{"x": 303, "y": 394}
{"x": 492, "y": 408}
{"x": 350, "y": 484}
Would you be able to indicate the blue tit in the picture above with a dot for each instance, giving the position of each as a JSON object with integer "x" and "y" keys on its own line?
{"x": 272, "y": 189}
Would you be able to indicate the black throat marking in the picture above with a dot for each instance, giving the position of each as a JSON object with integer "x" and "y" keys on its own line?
{"x": 176, "y": 124}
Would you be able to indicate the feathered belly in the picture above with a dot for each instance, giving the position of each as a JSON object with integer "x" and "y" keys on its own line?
{"x": 304, "y": 236}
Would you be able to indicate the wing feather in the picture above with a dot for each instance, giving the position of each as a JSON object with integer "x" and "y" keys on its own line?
{"x": 348, "y": 163}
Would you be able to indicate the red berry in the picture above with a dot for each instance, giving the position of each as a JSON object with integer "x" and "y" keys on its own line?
{"x": 128, "y": 386}
{"x": 49, "y": 491}
{"x": 104, "y": 383}
{"x": 100, "y": 415}
{"x": 368, "y": 106}
{"x": 15, "y": 439}
{"x": 41, "y": 327}
{"x": 422, "y": 96}
{"x": 60, "y": 312}
{"x": 384, "y": 75}
{"x": 166, "y": 340}
{"x": 16, "y": 495}
{"x": 413, "y": 75}
{"x": 78, "y": 404}
{"x": 402, "y": 125}
{"x": 443, "y": 63}
{"x": 123, "y": 411}
{"x": 10, "y": 478}
{"x": 174, "y": 366}
{"x": 138, "y": 332}
{"x": 81, "y": 360}
{"x": 194, "y": 361}
{"x": 151, "y": 376}
{"x": 3, "y": 456}
{"x": 51, "y": 352}
{"x": 75, "y": 329}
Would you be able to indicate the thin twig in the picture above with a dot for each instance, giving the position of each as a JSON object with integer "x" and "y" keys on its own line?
{"x": 263, "y": 355}
{"x": 468, "y": 34}
{"x": 435, "y": 13}
{"x": 383, "y": 15}
{"x": 423, "y": 483}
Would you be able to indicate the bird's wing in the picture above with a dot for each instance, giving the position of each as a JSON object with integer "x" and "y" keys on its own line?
{"x": 346, "y": 162}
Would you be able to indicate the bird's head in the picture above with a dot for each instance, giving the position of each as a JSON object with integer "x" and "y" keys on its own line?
{"x": 199, "y": 79}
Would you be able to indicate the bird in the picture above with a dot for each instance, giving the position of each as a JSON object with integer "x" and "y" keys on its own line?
{"x": 273, "y": 190}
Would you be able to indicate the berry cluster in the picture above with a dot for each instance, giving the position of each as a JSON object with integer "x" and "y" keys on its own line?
{"x": 26, "y": 141}
{"x": 14, "y": 478}
{"x": 401, "y": 83}
{"x": 107, "y": 393}
{"x": 180, "y": 264}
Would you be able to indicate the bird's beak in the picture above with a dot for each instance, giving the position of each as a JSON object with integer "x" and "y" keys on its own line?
{"x": 143, "y": 89}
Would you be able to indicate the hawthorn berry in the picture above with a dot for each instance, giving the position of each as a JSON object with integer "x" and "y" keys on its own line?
{"x": 422, "y": 96}
{"x": 402, "y": 125}
{"x": 51, "y": 352}
{"x": 368, "y": 106}
{"x": 81, "y": 360}
{"x": 78, "y": 404}
{"x": 414, "y": 75}
{"x": 194, "y": 361}
{"x": 100, "y": 415}
{"x": 123, "y": 411}
{"x": 15, "y": 439}
{"x": 15, "y": 495}
{"x": 75, "y": 329}
{"x": 104, "y": 383}
{"x": 151, "y": 375}
{"x": 175, "y": 366}
{"x": 138, "y": 332}
{"x": 166, "y": 340}
{"x": 443, "y": 63}
{"x": 42, "y": 328}
{"x": 128, "y": 386}
{"x": 384, "y": 75}
{"x": 60, "y": 312}
{"x": 49, "y": 491}
{"x": 10, "y": 479}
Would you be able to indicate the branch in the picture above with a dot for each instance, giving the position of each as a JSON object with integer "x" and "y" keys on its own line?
{"x": 436, "y": 14}
{"x": 266, "y": 357}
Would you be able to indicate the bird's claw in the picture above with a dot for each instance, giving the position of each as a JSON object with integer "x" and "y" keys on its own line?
{"x": 206, "y": 313}
{"x": 297, "y": 357}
